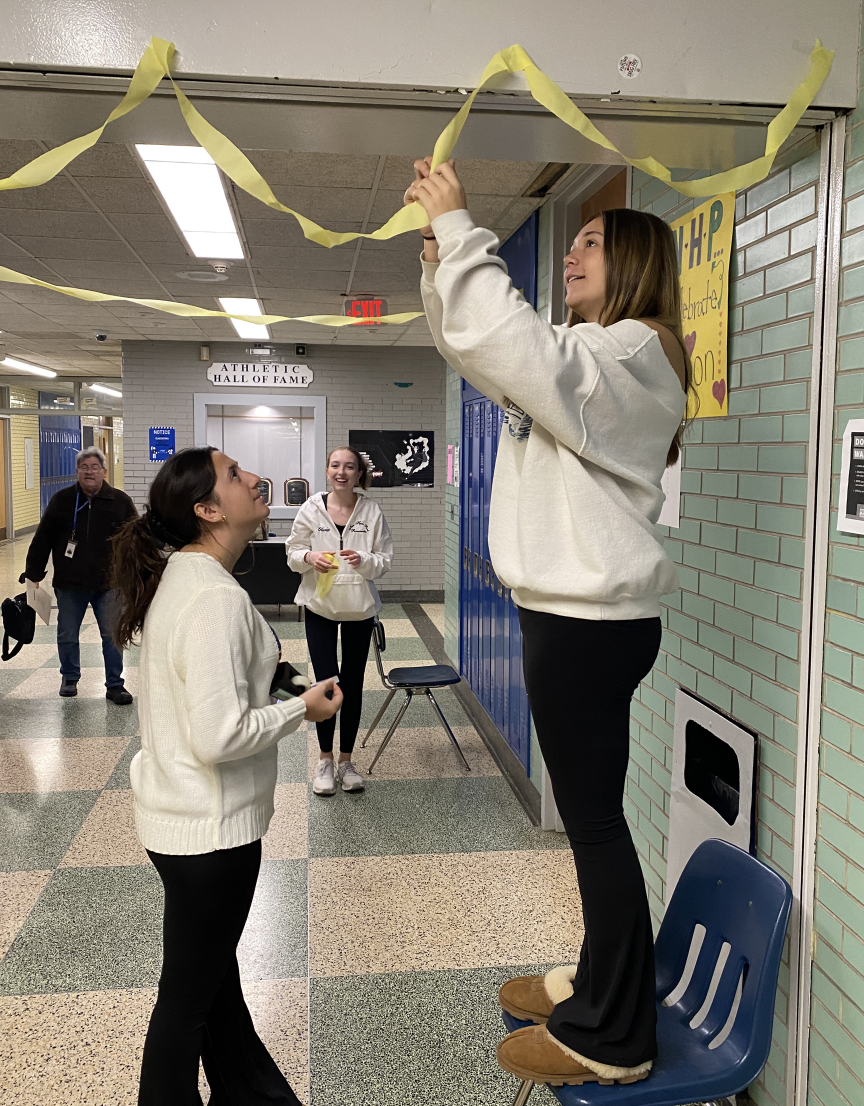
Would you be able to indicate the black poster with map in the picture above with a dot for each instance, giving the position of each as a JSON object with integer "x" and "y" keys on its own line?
{"x": 399, "y": 458}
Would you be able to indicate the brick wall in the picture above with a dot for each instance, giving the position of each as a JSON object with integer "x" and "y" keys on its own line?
{"x": 837, "y": 1014}
{"x": 159, "y": 379}
{"x": 732, "y": 633}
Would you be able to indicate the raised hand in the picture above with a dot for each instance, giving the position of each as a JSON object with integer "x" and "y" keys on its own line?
{"x": 440, "y": 190}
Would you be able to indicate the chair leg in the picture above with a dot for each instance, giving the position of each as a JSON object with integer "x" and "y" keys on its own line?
{"x": 446, "y": 726}
{"x": 391, "y": 731}
{"x": 524, "y": 1093}
{"x": 378, "y": 718}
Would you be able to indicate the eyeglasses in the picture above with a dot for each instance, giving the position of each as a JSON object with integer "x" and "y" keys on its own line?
{"x": 90, "y": 471}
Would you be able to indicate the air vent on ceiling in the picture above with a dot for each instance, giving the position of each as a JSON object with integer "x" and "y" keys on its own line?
{"x": 548, "y": 176}
{"x": 201, "y": 276}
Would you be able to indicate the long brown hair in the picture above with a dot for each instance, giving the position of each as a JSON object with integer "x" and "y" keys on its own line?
{"x": 169, "y": 521}
{"x": 362, "y": 468}
{"x": 642, "y": 283}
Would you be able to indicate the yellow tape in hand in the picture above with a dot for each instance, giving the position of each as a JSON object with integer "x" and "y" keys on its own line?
{"x": 155, "y": 64}
{"x": 327, "y": 579}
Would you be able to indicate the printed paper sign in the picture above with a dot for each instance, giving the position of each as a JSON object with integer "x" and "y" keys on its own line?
{"x": 267, "y": 374}
{"x": 161, "y": 443}
{"x": 703, "y": 240}
{"x": 850, "y": 508}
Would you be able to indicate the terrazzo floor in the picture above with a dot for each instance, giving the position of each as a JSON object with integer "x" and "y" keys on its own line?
{"x": 382, "y": 926}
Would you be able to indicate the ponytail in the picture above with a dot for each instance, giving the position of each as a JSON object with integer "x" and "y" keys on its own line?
{"x": 141, "y": 547}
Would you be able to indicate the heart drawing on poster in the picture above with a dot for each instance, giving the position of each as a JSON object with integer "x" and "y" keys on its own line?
{"x": 690, "y": 343}
{"x": 718, "y": 389}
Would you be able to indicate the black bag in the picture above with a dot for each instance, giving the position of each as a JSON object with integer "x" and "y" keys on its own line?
{"x": 19, "y": 623}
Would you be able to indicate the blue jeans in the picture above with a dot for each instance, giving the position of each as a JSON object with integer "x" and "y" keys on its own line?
{"x": 71, "y": 608}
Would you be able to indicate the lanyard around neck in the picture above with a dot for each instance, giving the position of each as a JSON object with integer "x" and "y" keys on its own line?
{"x": 78, "y": 510}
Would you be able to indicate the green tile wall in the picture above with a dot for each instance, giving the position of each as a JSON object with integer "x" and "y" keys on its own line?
{"x": 837, "y": 1016}
{"x": 732, "y": 632}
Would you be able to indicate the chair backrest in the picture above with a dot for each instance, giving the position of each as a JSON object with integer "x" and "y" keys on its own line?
{"x": 718, "y": 952}
{"x": 379, "y": 644}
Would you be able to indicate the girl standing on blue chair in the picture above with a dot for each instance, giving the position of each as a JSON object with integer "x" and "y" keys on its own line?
{"x": 595, "y": 413}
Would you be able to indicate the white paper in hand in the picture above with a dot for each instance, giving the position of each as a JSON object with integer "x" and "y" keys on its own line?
{"x": 40, "y": 600}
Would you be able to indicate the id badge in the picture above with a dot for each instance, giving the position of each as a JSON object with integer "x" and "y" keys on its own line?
{"x": 71, "y": 546}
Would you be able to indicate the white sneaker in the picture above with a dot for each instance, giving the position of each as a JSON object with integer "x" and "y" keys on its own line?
{"x": 324, "y": 780}
{"x": 349, "y": 777}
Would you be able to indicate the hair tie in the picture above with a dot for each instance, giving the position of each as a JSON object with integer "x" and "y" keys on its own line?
{"x": 161, "y": 533}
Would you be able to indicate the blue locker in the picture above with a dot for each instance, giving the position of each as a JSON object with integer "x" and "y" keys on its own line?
{"x": 59, "y": 442}
{"x": 490, "y": 642}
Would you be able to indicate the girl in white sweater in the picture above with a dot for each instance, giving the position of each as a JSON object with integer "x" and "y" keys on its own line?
{"x": 342, "y": 524}
{"x": 594, "y": 413}
{"x": 205, "y": 776}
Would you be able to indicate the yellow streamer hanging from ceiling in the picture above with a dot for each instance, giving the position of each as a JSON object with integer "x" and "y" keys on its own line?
{"x": 155, "y": 64}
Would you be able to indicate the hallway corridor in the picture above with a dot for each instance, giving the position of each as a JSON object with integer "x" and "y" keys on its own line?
{"x": 382, "y": 926}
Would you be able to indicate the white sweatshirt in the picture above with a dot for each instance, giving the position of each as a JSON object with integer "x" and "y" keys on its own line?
{"x": 206, "y": 773}
{"x": 574, "y": 504}
{"x": 353, "y": 596}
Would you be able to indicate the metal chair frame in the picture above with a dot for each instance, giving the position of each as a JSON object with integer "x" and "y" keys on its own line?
{"x": 420, "y": 689}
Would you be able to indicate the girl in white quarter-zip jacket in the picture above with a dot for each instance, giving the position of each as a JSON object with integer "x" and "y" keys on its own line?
{"x": 594, "y": 412}
{"x": 346, "y": 524}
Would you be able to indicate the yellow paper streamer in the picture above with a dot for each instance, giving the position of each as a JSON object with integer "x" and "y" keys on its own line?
{"x": 327, "y": 579}
{"x": 190, "y": 311}
{"x": 155, "y": 64}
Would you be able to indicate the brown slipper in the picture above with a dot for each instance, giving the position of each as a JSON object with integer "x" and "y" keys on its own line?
{"x": 531, "y": 1053}
{"x": 525, "y": 998}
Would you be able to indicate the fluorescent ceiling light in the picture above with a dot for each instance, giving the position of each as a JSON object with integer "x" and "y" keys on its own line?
{"x": 25, "y": 368}
{"x": 191, "y": 186}
{"x": 245, "y": 307}
{"x": 105, "y": 391}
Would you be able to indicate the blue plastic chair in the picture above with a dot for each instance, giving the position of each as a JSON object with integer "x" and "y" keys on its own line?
{"x": 715, "y": 1010}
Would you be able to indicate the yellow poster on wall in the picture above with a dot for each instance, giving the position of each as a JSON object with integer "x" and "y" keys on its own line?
{"x": 703, "y": 240}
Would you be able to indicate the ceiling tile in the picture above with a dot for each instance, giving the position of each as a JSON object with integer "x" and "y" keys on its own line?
{"x": 286, "y": 232}
{"x": 15, "y": 154}
{"x": 322, "y": 205}
{"x": 115, "y": 195}
{"x": 144, "y": 228}
{"x": 78, "y": 249}
{"x": 54, "y": 224}
{"x": 318, "y": 279}
{"x": 106, "y": 159}
{"x": 58, "y": 194}
{"x": 171, "y": 252}
{"x": 314, "y": 170}
{"x": 298, "y": 259}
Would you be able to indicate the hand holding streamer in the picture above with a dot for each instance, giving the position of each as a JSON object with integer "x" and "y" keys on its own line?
{"x": 326, "y": 579}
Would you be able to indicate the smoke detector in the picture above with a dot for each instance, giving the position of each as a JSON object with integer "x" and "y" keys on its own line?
{"x": 202, "y": 276}
{"x": 221, "y": 266}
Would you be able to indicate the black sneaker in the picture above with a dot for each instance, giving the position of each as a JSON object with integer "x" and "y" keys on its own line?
{"x": 68, "y": 688}
{"x": 119, "y": 695}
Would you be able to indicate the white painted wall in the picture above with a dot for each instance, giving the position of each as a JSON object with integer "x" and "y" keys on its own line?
{"x": 740, "y": 51}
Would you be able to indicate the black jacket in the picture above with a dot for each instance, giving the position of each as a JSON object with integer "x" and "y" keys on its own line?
{"x": 90, "y": 568}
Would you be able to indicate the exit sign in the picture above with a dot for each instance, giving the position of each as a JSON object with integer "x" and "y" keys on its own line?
{"x": 367, "y": 312}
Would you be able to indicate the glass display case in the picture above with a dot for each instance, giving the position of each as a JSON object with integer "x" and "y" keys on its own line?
{"x": 280, "y": 438}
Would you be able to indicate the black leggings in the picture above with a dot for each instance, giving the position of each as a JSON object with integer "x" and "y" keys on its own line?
{"x": 580, "y": 675}
{"x": 200, "y": 1012}
{"x": 321, "y": 638}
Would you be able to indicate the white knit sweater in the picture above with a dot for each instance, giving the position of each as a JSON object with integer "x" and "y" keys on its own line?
{"x": 575, "y": 501}
{"x": 206, "y": 773}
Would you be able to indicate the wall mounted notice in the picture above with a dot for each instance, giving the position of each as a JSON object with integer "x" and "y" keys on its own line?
{"x": 850, "y": 508}
{"x": 161, "y": 443}
{"x": 267, "y": 374}
{"x": 29, "y": 466}
{"x": 398, "y": 457}
{"x": 703, "y": 241}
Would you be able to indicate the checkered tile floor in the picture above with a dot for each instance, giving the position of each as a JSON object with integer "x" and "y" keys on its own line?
{"x": 383, "y": 923}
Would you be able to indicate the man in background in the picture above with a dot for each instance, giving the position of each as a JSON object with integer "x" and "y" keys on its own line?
{"x": 76, "y": 531}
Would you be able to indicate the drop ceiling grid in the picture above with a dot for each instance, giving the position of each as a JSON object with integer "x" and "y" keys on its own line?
{"x": 54, "y": 233}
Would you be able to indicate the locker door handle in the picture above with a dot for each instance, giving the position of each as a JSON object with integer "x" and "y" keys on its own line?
{"x": 466, "y": 557}
{"x": 500, "y": 589}
{"x": 476, "y": 566}
{"x": 487, "y": 577}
